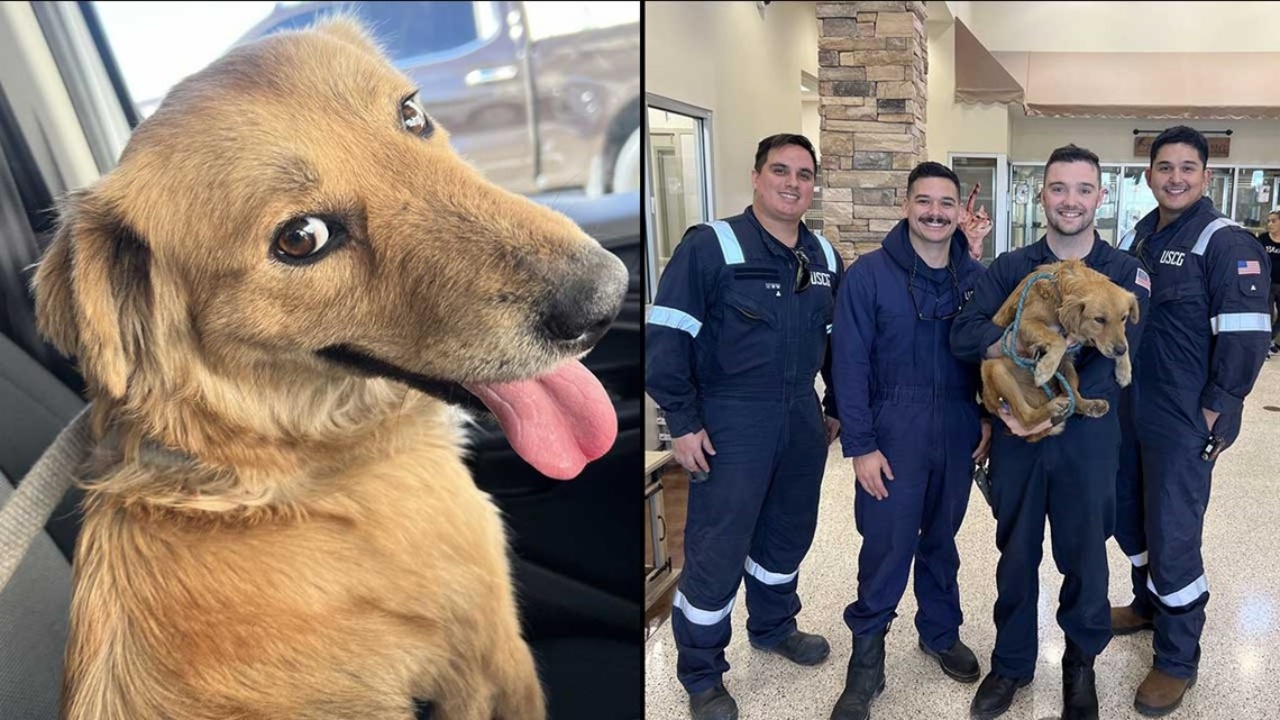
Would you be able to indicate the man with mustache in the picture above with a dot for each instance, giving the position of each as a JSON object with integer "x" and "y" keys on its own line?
{"x": 910, "y": 423}
{"x": 735, "y": 339}
{"x": 1207, "y": 336}
{"x": 1068, "y": 478}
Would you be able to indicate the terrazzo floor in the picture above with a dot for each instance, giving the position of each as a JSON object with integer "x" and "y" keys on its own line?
{"x": 1240, "y": 667}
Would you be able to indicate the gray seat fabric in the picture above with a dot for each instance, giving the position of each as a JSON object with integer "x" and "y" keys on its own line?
{"x": 34, "y": 407}
{"x": 34, "y": 608}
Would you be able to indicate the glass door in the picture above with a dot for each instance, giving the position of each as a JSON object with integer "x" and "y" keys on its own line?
{"x": 992, "y": 171}
{"x": 1255, "y": 196}
{"x": 677, "y": 192}
{"x": 1220, "y": 190}
{"x": 1136, "y": 199}
{"x": 678, "y": 178}
{"x": 1027, "y": 214}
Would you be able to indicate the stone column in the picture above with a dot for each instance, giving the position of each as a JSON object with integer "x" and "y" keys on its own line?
{"x": 872, "y": 64}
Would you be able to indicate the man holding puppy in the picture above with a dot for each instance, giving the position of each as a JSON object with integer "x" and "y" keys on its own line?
{"x": 1068, "y": 478}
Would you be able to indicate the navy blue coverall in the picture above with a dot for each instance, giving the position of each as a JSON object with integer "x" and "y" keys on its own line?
{"x": 901, "y": 391}
{"x": 1205, "y": 342}
{"x": 732, "y": 347}
{"x": 1070, "y": 477}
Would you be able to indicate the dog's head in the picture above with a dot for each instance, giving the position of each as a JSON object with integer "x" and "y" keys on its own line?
{"x": 1094, "y": 309}
{"x": 291, "y": 216}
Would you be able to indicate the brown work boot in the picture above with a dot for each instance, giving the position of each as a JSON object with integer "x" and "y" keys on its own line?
{"x": 1124, "y": 621}
{"x": 1160, "y": 694}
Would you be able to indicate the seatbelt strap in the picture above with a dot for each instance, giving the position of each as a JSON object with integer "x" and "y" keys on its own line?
{"x": 33, "y": 501}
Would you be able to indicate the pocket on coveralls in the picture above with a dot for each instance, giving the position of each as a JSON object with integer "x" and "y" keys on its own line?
{"x": 749, "y": 337}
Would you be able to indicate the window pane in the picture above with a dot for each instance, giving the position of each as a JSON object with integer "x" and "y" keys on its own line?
{"x": 676, "y": 162}
{"x": 813, "y": 217}
{"x": 1136, "y": 200}
{"x": 551, "y": 19}
{"x": 972, "y": 170}
{"x": 1219, "y": 187}
{"x": 1027, "y": 214}
{"x": 1255, "y": 197}
{"x": 1105, "y": 220}
{"x": 410, "y": 29}
{"x": 156, "y": 44}
{"x": 584, "y": 137}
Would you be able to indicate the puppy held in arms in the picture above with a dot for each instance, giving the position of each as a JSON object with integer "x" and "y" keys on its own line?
{"x": 1074, "y": 306}
{"x": 277, "y": 298}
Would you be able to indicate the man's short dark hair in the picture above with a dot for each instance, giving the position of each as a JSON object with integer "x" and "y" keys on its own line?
{"x": 1185, "y": 136}
{"x": 1071, "y": 153}
{"x": 776, "y": 141}
{"x": 933, "y": 169}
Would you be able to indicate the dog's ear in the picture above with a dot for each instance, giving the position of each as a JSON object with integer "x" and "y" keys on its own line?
{"x": 1133, "y": 308}
{"x": 1071, "y": 314}
{"x": 349, "y": 29}
{"x": 93, "y": 294}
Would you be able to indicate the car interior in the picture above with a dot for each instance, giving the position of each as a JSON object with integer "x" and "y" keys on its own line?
{"x": 64, "y": 114}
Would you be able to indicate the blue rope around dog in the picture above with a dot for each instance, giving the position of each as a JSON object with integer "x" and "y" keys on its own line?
{"x": 1009, "y": 344}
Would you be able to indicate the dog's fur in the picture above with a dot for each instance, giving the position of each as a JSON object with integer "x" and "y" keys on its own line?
{"x": 1078, "y": 305}
{"x": 268, "y": 534}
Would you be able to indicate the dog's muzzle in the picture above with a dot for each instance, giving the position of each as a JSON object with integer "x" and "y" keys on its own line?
{"x": 366, "y": 364}
{"x": 585, "y": 303}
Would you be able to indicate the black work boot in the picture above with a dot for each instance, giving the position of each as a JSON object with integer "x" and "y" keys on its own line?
{"x": 800, "y": 647}
{"x": 959, "y": 662}
{"x": 865, "y": 680}
{"x": 1079, "y": 691}
{"x": 995, "y": 695}
{"x": 713, "y": 704}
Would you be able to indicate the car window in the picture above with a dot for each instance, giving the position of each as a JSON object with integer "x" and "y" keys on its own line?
{"x": 421, "y": 28}
{"x": 297, "y": 22}
{"x": 409, "y": 29}
{"x": 540, "y": 97}
{"x": 566, "y": 17}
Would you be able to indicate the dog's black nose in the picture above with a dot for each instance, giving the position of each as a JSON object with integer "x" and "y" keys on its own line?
{"x": 1118, "y": 350}
{"x": 585, "y": 299}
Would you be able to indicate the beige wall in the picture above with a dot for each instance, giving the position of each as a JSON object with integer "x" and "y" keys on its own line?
{"x": 1252, "y": 141}
{"x": 961, "y": 10}
{"x": 940, "y": 107}
{"x": 804, "y": 16}
{"x": 744, "y": 68}
{"x": 952, "y": 127}
{"x": 1125, "y": 26}
{"x": 1005, "y": 27}
{"x": 811, "y": 124}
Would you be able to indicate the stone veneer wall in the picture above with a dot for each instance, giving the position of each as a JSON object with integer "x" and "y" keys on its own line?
{"x": 872, "y": 63}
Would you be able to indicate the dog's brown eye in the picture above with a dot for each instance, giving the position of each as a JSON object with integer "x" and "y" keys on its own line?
{"x": 415, "y": 118}
{"x": 302, "y": 239}
{"x": 1101, "y": 320}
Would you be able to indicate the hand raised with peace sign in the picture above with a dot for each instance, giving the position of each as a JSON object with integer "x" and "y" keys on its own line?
{"x": 975, "y": 225}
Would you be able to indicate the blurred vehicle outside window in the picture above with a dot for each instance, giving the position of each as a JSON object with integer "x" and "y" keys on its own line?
{"x": 541, "y": 97}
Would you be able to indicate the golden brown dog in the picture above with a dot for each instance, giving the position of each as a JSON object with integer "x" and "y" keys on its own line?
{"x": 1076, "y": 306}
{"x": 276, "y": 525}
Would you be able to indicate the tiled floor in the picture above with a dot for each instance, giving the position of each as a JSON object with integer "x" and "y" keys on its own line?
{"x": 1239, "y": 672}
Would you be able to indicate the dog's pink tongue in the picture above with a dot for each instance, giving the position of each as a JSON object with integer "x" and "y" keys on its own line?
{"x": 558, "y": 422}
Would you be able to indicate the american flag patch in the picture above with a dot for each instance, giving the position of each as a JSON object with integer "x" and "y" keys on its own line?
{"x": 1143, "y": 280}
{"x": 1248, "y": 267}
